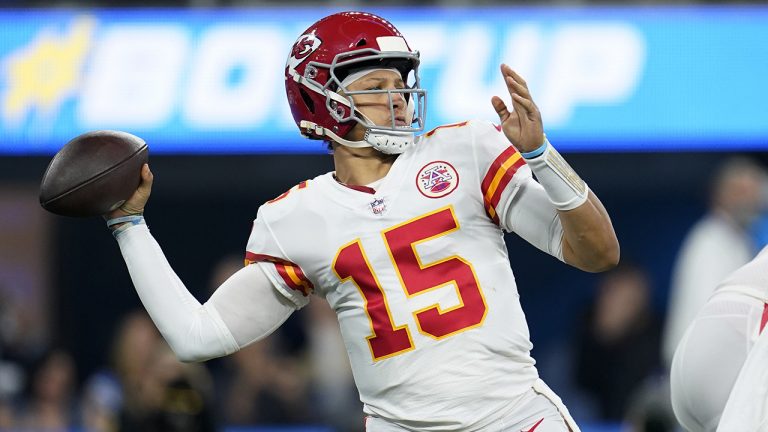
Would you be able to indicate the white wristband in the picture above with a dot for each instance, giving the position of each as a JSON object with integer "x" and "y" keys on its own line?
{"x": 566, "y": 190}
{"x": 125, "y": 222}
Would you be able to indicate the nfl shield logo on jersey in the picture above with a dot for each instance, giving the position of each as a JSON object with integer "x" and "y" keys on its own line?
{"x": 437, "y": 179}
{"x": 377, "y": 206}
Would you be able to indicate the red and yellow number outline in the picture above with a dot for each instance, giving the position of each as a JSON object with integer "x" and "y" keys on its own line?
{"x": 353, "y": 253}
{"x": 385, "y": 303}
{"x": 301, "y": 185}
{"x": 422, "y": 266}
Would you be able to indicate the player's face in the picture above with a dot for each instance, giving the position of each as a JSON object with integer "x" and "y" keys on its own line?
{"x": 377, "y": 106}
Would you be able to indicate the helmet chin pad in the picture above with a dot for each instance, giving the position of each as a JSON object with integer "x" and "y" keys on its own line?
{"x": 389, "y": 142}
{"x": 386, "y": 140}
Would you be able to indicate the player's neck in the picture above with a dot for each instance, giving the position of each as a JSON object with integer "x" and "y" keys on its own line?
{"x": 361, "y": 166}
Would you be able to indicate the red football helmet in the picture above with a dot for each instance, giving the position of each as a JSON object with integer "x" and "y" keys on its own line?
{"x": 330, "y": 50}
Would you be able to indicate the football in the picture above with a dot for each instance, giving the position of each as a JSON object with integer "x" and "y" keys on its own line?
{"x": 93, "y": 174}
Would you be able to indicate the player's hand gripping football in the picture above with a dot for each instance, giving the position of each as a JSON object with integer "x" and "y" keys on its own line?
{"x": 135, "y": 204}
{"x": 522, "y": 125}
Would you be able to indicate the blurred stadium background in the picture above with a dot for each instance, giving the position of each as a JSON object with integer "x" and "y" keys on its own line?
{"x": 646, "y": 101}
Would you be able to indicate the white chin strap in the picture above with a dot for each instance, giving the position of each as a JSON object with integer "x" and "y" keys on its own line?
{"x": 389, "y": 142}
{"x": 385, "y": 141}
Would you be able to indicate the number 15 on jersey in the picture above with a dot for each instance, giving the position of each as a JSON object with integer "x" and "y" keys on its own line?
{"x": 387, "y": 340}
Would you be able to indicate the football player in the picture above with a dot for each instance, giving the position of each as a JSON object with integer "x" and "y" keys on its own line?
{"x": 747, "y": 406}
{"x": 718, "y": 371}
{"x": 404, "y": 240}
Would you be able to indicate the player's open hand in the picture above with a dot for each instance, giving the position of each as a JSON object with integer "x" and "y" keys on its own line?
{"x": 135, "y": 204}
{"x": 522, "y": 125}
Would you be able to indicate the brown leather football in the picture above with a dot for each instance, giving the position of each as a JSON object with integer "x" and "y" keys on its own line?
{"x": 93, "y": 174}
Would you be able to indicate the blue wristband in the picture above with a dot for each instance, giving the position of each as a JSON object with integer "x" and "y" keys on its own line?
{"x": 126, "y": 221}
{"x": 538, "y": 152}
{"x": 130, "y": 220}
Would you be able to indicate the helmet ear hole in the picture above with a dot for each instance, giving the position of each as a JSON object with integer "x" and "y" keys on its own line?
{"x": 361, "y": 42}
{"x": 307, "y": 100}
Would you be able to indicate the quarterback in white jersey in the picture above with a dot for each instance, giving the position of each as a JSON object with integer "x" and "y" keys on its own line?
{"x": 417, "y": 272}
{"x": 404, "y": 239}
{"x": 719, "y": 368}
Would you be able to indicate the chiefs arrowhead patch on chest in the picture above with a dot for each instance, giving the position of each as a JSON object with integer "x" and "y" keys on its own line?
{"x": 437, "y": 179}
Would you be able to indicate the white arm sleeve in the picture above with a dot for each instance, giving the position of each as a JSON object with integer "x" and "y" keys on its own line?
{"x": 243, "y": 310}
{"x": 747, "y": 406}
{"x": 533, "y": 217}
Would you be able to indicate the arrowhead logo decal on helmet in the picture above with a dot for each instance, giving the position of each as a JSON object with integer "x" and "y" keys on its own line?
{"x": 304, "y": 46}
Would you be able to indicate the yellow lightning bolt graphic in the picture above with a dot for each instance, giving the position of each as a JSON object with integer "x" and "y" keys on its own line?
{"x": 46, "y": 71}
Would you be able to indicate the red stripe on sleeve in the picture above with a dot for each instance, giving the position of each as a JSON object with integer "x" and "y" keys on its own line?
{"x": 494, "y": 217}
{"x": 505, "y": 181}
{"x": 497, "y": 178}
{"x": 252, "y": 257}
{"x": 302, "y": 285}
{"x": 279, "y": 197}
{"x": 283, "y": 272}
{"x": 491, "y": 173}
{"x": 284, "y": 269}
{"x": 300, "y": 273}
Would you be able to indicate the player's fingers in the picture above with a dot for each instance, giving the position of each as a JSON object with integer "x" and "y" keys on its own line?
{"x": 146, "y": 178}
{"x": 511, "y": 72}
{"x": 509, "y": 81}
{"x": 517, "y": 82}
{"x": 527, "y": 105}
{"x": 515, "y": 86}
{"x": 500, "y": 107}
{"x": 519, "y": 107}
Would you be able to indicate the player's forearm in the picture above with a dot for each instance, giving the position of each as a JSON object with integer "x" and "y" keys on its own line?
{"x": 589, "y": 241}
{"x": 195, "y": 332}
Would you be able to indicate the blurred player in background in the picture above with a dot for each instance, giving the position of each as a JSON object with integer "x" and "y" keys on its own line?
{"x": 404, "y": 240}
{"x": 747, "y": 406}
{"x": 719, "y": 243}
{"x": 724, "y": 354}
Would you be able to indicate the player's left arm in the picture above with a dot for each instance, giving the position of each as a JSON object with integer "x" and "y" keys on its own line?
{"x": 589, "y": 241}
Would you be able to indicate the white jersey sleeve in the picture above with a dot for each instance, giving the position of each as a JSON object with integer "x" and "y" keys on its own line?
{"x": 501, "y": 168}
{"x": 747, "y": 406}
{"x": 263, "y": 249}
{"x": 533, "y": 217}
{"x": 512, "y": 198}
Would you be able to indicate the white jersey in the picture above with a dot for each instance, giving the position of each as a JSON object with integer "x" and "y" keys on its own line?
{"x": 747, "y": 406}
{"x": 418, "y": 274}
{"x": 750, "y": 279}
{"x": 718, "y": 373}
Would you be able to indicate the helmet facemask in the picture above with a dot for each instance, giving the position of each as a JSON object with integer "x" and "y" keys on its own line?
{"x": 390, "y": 138}
{"x": 335, "y": 47}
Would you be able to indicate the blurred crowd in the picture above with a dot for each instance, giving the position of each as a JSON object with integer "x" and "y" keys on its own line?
{"x": 143, "y": 387}
{"x": 616, "y": 359}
